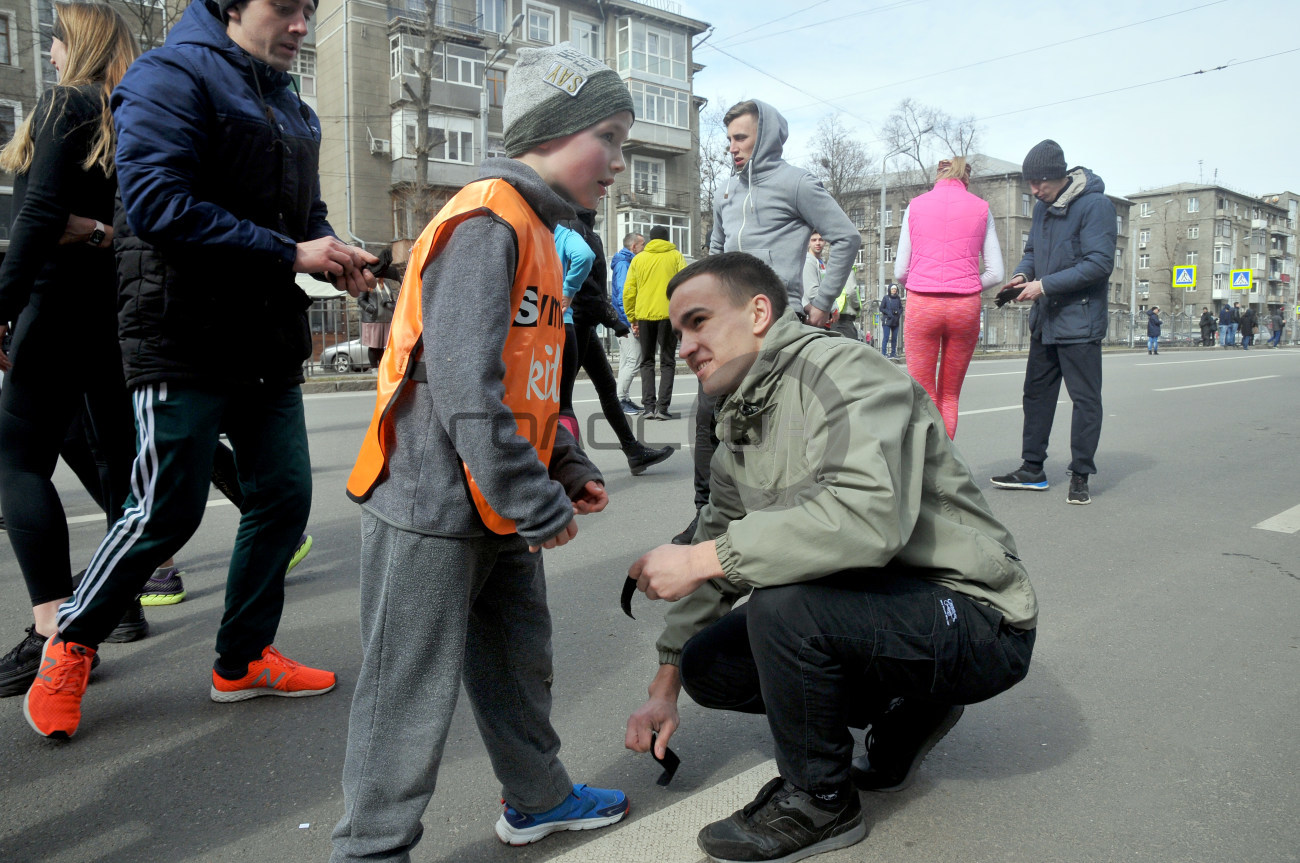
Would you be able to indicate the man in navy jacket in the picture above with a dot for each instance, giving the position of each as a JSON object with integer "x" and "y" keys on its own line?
{"x": 217, "y": 164}
{"x": 1065, "y": 273}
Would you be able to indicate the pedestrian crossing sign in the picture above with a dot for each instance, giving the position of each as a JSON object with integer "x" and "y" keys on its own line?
{"x": 1185, "y": 277}
{"x": 1241, "y": 280}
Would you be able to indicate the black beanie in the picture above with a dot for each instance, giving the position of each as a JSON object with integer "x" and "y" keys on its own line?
{"x": 1046, "y": 161}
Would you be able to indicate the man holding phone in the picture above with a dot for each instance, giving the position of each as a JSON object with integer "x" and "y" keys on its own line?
{"x": 1064, "y": 273}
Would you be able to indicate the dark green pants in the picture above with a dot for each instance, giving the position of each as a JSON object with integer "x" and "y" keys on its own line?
{"x": 176, "y": 434}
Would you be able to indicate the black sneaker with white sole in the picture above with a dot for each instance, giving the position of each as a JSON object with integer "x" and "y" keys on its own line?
{"x": 1078, "y": 490}
{"x": 1023, "y": 478}
{"x": 899, "y": 741}
{"x": 784, "y": 824}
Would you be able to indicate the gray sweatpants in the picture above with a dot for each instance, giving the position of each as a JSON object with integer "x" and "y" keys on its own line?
{"x": 436, "y": 611}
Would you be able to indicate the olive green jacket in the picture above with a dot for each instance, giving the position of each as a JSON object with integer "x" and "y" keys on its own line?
{"x": 831, "y": 459}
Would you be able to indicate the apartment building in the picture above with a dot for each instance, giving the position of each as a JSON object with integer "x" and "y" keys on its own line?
{"x": 1220, "y": 231}
{"x": 371, "y": 96}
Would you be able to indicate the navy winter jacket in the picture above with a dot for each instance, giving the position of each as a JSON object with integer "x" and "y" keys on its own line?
{"x": 1153, "y": 325}
{"x": 891, "y": 309}
{"x": 217, "y": 161}
{"x": 1071, "y": 250}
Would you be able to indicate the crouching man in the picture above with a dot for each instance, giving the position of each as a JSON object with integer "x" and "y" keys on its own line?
{"x": 883, "y": 594}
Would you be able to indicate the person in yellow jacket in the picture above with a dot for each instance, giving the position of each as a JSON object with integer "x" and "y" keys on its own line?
{"x": 466, "y": 473}
{"x": 645, "y": 300}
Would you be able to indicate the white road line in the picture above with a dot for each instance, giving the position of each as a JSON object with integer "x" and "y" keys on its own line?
{"x": 87, "y": 519}
{"x": 1214, "y": 384}
{"x": 668, "y": 836}
{"x": 995, "y": 410}
{"x": 1021, "y": 373}
{"x": 1214, "y": 360}
{"x": 1283, "y": 522}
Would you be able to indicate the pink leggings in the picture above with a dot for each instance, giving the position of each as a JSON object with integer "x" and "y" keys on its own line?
{"x": 947, "y": 326}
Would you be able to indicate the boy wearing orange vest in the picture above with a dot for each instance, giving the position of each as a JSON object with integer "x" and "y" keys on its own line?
{"x": 466, "y": 473}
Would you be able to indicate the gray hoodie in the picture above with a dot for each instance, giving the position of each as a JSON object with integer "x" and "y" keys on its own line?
{"x": 770, "y": 208}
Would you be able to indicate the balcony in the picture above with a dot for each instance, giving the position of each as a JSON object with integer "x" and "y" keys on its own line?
{"x": 464, "y": 21}
{"x": 654, "y": 138}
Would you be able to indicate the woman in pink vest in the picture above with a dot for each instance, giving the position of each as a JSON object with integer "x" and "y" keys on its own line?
{"x": 944, "y": 233}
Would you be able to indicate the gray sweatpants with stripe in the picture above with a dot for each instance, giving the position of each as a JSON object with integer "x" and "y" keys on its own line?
{"x": 437, "y": 611}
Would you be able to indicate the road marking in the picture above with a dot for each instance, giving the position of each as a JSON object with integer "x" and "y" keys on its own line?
{"x": 87, "y": 519}
{"x": 995, "y": 410}
{"x": 996, "y": 374}
{"x": 1215, "y": 384}
{"x": 668, "y": 836}
{"x": 1214, "y": 360}
{"x": 1283, "y": 522}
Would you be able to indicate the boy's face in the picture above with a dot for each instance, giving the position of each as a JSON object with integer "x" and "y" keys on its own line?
{"x": 719, "y": 340}
{"x": 582, "y": 165}
{"x": 742, "y": 134}
{"x": 271, "y": 30}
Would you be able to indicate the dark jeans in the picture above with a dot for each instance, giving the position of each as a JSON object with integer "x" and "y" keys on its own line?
{"x": 886, "y": 334}
{"x": 706, "y": 442}
{"x": 845, "y": 327}
{"x": 177, "y": 436}
{"x": 825, "y": 656}
{"x": 592, "y": 359}
{"x": 1080, "y": 366}
{"x": 657, "y": 334}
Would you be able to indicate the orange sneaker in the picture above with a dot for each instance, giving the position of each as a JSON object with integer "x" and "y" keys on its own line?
{"x": 273, "y": 674}
{"x": 53, "y": 704}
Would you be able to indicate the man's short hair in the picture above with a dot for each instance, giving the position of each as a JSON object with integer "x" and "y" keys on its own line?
{"x": 743, "y": 275}
{"x": 629, "y": 240}
{"x": 659, "y": 232}
{"x": 740, "y": 109}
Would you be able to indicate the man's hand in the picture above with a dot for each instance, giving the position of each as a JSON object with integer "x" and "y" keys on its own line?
{"x": 673, "y": 571}
{"x": 79, "y": 229}
{"x": 657, "y": 715}
{"x": 593, "y": 498}
{"x": 636, "y": 328}
{"x": 565, "y": 303}
{"x": 344, "y": 264}
{"x": 1032, "y": 291}
{"x": 5, "y": 363}
{"x": 566, "y": 533}
{"x": 818, "y": 318}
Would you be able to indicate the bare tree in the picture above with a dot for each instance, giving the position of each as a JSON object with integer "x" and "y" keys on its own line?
{"x": 714, "y": 165}
{"x": 425, "y": 66}
{"x": 923, "y": 135}
{"x": 151, "y": 20}
{"x": 1171, "y": 236}
{"x": 840, "y": 161}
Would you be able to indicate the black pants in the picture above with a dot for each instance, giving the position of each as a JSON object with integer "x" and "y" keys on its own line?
{"x": 592, "y": 359}
{"x": 657, "y": 334}
{"x": 1080, "y": 366}
{"x": 706, "y": 442}
{"x": 825, "y": 656}
{"x": 569, "y": 374}
{"x": 66, "y": 363}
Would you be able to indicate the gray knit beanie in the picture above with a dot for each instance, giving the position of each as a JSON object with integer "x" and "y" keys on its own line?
{"x": 555, "y": 92}
{"x": 1046, "y": 161}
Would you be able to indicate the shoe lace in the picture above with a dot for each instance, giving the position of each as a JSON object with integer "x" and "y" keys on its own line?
{"x": 66, "y": 671}
{"x": 275, "y": 657}
{"x": 771, "y": 793}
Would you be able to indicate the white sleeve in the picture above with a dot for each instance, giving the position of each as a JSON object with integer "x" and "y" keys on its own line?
{"x": 903, "y": 258}
{"x": 994, "y": 270}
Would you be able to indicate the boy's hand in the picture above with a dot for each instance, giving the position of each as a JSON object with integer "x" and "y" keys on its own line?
{"x": 566, "y": 533}
{"x": 592, "y": 499}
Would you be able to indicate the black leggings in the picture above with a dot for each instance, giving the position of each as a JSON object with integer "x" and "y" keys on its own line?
{"x": 592, "y": 358}
{"x": 569, "y": 373}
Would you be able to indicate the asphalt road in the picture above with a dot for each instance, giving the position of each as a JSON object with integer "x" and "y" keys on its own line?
{"x": 1157, "y": 722}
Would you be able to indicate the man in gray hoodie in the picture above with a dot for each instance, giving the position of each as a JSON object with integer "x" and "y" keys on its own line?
{"x": 770, "y": 209}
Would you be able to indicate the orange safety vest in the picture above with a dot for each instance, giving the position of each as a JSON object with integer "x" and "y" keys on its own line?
{"x": 533, "y": 352}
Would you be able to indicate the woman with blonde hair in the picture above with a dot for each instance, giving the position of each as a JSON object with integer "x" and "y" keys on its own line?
{"x": 61, "y": 299}
{"x": 945, "y": 232}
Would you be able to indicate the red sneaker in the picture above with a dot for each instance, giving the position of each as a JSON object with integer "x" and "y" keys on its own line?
{"x": 53, "y": 704}
{"x": 273, "y": 674}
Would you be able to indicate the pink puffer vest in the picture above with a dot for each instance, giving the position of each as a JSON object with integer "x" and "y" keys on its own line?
{"x": 947, "y": 226}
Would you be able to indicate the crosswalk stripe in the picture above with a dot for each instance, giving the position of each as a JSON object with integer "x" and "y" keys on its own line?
{"x": 1283, "y": 522}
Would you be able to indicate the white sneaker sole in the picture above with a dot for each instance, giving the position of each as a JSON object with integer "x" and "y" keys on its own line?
{"x": 222, "y": 697}
{"x": 529, "y": 835}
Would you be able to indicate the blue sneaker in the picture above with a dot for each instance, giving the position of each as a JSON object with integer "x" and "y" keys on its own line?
{"x": 1024, "y": 477}
{"x": 585, "y": 809}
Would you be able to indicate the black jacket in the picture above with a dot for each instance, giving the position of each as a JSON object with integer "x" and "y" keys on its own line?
{"x": 593, "y": 297}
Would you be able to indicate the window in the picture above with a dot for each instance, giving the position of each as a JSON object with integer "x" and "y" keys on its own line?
{"x": 662, "y": 105}
{"x": 1193, "y": 232}
{"x": 405, "y": 53}
{"x": 647, "y": 180}
{"x": 1222, "y": 228}
{"x": 1024, "y": 240}
{"x": 1144, "y": 261}
{"x": 1119, "y": 224}
{"x": 1191, "y": 258}
{"x": 641, "y": 221}
{"x": 11, "y": 117}
{"x": 1221, "y": 204}
{"x": 889, "y": 217}
{"x": 858, "y": 215}
{"x": 889, "y": 253}
{"x": 860, "y": 259}
{"x": 1144, "y": 287}
{"x": 645, "y": 48}
{"x": 492, "y": 15}
{"x": 1222, "y": 255}
{"x": 1257, "y": 262}
{"x": 496, "y": 148}
{"x": 45, "y": 15}
{"x": 1026, "y": 204}
{"x": 1193, "y": 205}
{"x": 464, "y": 70}
{"x": 540, "y": 21}
{"x": 303, "y": 71}
{"x": 1146, "y": 210}
{"x": 585, "y": 36}
{"x": 459, "y": 133}
{"x": 496, "y": 87}
{"x": 1218, "y": 281}
{"x": 6, "y": 40}
{"x": 1144, "y": 237}
{"x": 1119, "y": 257}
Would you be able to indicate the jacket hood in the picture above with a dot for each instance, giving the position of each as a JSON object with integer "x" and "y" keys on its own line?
{"x": 623, "y": 254}
{"x": 1082, "y": 182}
{"x": 201, "y": 25}
{"x": 659, "y": 247}
{"x": 551, "y": 208}
{"x": 772, "y": 133}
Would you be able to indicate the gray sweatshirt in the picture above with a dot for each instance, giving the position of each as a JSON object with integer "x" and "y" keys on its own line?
{"x": 459, "y": 415}
{"x": 770, "y": 209}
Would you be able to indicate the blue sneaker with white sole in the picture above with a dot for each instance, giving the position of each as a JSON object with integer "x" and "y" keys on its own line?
{"x": 585, "y": 809}
{"x": 1023, "y": 478}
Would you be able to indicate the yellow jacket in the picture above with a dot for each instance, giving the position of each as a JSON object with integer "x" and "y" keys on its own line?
{"x": 645, "y": 291}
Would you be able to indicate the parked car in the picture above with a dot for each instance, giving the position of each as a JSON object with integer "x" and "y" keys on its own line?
{"x": 347, "y": 357}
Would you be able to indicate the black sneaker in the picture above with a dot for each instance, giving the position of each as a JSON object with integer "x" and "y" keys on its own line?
{"x": 133, "y": 626}
{"x": 1078, "y": 490}
{"x": 899, "y": 742}
{"x": 629, "y": 407}
{"x": 685, "y": 537}
{"x": 641, "y": 457}
{"x": 1024, "y": 478}
{"x": 18, "y": 666}
{"x": 784, "y": 824}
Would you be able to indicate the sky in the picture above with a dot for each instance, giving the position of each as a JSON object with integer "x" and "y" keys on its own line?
{"x": 1113, "y": 82}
